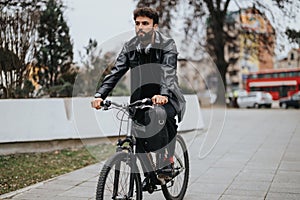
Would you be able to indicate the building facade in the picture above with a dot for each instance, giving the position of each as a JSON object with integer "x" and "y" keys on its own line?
{"x": 291, "y": 61}
{"x": 252, "y": 45}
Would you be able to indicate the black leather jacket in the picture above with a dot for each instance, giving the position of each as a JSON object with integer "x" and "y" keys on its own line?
{"x": 162, "y": 55}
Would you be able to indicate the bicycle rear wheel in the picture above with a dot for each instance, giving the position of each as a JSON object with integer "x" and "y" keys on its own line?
{"x": 176, "y": 188}
{"x": 119, "y": 179}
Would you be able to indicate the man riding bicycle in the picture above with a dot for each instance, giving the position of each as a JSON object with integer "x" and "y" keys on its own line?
{"x": 152, "y": 60}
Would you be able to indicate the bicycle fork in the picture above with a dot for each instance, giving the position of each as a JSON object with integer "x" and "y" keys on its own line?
{"x": 130, "y": 161}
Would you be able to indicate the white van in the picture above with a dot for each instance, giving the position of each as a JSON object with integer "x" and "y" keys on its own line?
{"x": 255, "y": 100}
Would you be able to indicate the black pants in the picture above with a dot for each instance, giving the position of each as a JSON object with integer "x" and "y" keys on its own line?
{"x": 171, "y": 128}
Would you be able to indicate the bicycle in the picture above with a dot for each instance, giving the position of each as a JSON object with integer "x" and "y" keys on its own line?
{"x": 120, "y": 177}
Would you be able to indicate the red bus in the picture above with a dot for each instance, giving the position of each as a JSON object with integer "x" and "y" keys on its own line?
{"x": 278, "y": 82}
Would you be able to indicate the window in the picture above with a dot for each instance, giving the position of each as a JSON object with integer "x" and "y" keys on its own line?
{"x": 252, "y": 76}
{"x": 267, "y": 76}
{"x": 260, "y": 76}
{"x": 253, "y": 89}
{"x": 267, "y": 89}
{"x": 282, "y": 75}
{"x": 292, "y": 56}
{"x": 275, "y": 75}
{"x": 291, "y": 74}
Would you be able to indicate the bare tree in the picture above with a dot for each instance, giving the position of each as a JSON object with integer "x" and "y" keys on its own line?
{"x": 293, "y": 35}
{"x": 96, "y": 64}
{"x": 202, "y": 14}
{"x": 18, "y": 33}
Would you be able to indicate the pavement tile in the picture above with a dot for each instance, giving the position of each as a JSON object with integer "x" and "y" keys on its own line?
{"x": 265, "y": 165}
{"x": 238, "y": 154}
{"x": 246, "y": 193}
{"x": 290, "y": 166}
{"x": 56, "y": 186}
{"x": 81, "y": 192}
{"x": 292, "y": 156}
{"x": 285, "y": 187}
{"x": 89, "y": 184}
{"x": 37, "y": 193}
{"x": 282, "y": 196}
{"x": 250, "y": 185}
{"x": 229, "y": 164}
{"x": 77, "y": 176}
{"x": 207, "y": 188}
{"x": 255, "y": 175}
{"x": 201, "y": 196}
{"x": 217, "y": 175}
{"x": 237, "y": 197}
{"x": 287, "y": 177}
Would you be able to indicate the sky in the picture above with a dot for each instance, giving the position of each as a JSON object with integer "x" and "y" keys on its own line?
{"x": 107, "y": 21}
{"x": 98, "y": 19}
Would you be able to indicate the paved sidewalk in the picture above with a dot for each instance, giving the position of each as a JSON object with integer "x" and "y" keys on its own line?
{"x": 257, "y": 157}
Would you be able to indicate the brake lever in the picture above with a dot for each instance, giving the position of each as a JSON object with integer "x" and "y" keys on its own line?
{"x": 144, "y": 106}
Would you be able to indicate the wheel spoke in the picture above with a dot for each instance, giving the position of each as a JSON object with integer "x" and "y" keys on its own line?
{"x": 110, "y": 188}
{"x": 176, "y": 188}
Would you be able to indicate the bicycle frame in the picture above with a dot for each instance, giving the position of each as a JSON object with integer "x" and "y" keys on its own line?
{"x": 146, "y": 161}
{"x": 127, "y": 148}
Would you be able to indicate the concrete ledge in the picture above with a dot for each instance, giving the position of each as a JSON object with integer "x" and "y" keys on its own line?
{"x": 52, "y": 145}
{"x": 30, "y": 120}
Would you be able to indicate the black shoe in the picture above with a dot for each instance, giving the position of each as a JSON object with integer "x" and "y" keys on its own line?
{"x": 166, "y": 172}
{"x": 148, "y": 186}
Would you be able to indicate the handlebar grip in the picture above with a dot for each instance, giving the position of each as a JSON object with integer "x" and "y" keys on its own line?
{"x": 105, "y": 104}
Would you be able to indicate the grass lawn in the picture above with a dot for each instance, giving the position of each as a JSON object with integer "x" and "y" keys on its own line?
{"x": 21, "y": 170}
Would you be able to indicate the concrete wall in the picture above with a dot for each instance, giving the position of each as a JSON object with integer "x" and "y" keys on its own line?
{"x": 25, "y": 120}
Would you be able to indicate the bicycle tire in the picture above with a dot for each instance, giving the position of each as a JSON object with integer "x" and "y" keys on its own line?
{"x": 181, "y": 159}
{"x": 116, "y": 175}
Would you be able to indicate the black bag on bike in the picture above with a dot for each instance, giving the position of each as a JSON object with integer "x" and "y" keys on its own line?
{"x": 150, "y": 128}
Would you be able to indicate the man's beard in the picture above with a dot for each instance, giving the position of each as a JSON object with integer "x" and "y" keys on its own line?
{"x": 146, "y": 37}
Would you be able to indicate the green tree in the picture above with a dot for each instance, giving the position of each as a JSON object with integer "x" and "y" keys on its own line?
{"x": 55, "y": 49}
{"x": 18, "y": 34}
{"x": 93, "y": 66}
{"x": 195, "y": 22}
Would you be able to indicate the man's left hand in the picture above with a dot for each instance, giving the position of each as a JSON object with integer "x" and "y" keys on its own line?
{"x": 159, "y": 99}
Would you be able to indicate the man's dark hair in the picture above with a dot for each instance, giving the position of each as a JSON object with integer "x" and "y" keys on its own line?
{"x": 146, "y": 12}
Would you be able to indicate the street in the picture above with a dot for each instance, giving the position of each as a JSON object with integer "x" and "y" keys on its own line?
{"x": 256, "y": 157}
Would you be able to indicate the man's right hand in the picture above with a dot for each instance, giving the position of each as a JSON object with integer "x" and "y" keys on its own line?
{"x": 96, "y": 103}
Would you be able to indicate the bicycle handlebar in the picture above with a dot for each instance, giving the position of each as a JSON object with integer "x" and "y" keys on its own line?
{"x": 146, "y": 101}
{"x": 139, "y": 103}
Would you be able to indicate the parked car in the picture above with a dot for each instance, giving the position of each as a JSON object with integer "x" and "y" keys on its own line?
{"x": 255, "y": 100}
{"x": 291, "y": 101}
{"x": 231, "y": 97}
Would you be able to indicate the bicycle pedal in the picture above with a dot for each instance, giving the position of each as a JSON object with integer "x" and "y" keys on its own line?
{"x": 151, "y": 188}
{"x": 166, "y": 174}
{"x": 163, "y": 176}
{"x": 163, "y": 179}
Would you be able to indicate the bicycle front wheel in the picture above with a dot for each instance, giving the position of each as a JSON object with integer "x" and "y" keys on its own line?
{"x": 119, "y": 178}
{"x": 175, "y": 189}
